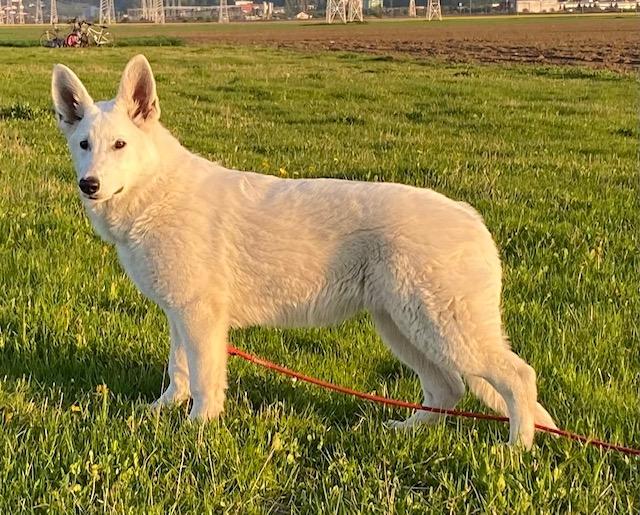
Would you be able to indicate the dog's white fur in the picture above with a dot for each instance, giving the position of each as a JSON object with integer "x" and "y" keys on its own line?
{"x": 218, "y": 248}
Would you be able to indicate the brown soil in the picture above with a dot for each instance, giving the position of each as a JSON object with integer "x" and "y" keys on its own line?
{"x": 603, "y": 42}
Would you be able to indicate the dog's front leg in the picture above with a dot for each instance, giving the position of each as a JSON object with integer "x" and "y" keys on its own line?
{"x": 178, "y": 389}
{"x": 205, "y": 337}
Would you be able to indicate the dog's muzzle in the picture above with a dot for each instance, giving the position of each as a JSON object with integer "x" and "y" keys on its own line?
{"x": 89, "y": 185}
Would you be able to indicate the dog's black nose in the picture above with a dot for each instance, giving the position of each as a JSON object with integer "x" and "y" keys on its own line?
{"x": 89, "y": 185}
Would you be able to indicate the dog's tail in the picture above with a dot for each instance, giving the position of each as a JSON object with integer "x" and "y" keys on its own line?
{"x": 488, "y": 394}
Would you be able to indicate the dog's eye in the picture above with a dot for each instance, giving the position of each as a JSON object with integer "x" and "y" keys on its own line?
{"x": 84, "y": 144}
{"x": 119, "y": 144}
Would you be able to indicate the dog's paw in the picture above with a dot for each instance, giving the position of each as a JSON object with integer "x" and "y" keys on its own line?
{"x": 523, "y": 439}
{"x": 170, "y": 397}
{"x": 417, "y": 419}
{"x": 395, "y": 424}
{"x": 205, "y": 410}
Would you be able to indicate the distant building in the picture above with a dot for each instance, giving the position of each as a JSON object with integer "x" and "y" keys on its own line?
{"x": 621, "y": 5}
{"x": 537, "y": 6}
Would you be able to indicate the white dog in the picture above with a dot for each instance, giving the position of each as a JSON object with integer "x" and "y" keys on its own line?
{"x": 218, "y": 248}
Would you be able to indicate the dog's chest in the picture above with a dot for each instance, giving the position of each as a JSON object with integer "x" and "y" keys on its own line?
{"x": 141, "y": 269}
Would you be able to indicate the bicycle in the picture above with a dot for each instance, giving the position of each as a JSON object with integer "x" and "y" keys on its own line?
{"x": 93, "y": 36}
{"x": 50, "y": 38}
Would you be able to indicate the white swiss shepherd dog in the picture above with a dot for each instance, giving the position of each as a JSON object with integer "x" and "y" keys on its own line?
{"x": 218, "y": 248}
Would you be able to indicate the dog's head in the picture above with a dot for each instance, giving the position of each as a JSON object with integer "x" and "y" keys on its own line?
{"x": 110, "y": 141}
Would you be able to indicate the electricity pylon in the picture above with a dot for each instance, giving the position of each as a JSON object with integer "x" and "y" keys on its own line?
{"x": 107, "y": 12}
{"x": 223, "y": 13}
{"x": 337, "y": 8}
{"x": 434, "y": 10}
{"x": 39, "y": 18}
{"x": 355, "y": 10}
{"x": 345, "y": 10}
{"x": 20, "y": 12}
{"x": 53, "y": 18}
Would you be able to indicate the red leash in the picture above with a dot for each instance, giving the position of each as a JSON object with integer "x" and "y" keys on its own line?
{"x": 233, "y": 351}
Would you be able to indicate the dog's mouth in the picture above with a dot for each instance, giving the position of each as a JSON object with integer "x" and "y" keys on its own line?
{"x": 96, "y": 197}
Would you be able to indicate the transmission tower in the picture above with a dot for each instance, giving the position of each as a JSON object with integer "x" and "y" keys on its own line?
{"x": 345, "y": 10}
{"x": 337, "y": 8}
{"x": 53, "y": 18}
{"x": 107, "y": 12}
{"x": 355, "y": 10}
{"x": 175, "y": 8}
{"x": 433, "y": 10}
{"x": 10, "y": 13}
{"x": 412, "y": 8}
{"x": 38, "y": 17}
{"x": 156, "y": 11}
{"x": 20, "y": 12}
{"x": 267, "y": 10}
{"x": 223, "y": 12}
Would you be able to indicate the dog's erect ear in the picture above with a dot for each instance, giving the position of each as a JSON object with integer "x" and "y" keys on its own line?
{"x": 137, "y": 91}
{"x": 70, "y": 98}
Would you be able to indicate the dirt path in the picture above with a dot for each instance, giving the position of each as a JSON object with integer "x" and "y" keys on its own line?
{"x": 604, "y": 42}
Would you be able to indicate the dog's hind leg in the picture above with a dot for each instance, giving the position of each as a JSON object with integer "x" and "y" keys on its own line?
{"x": 468, "y": 338}
{"x": 441, "y": 388}
{"x": 489, "y": 395}
{"x": 178, "y": 389}
{"x": 515, "y": 381}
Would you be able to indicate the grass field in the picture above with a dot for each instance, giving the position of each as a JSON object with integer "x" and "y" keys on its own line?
{"x": 547, "y": 154}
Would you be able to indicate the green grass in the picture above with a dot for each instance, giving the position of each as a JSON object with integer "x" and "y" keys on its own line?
{"x": 548, "y": 155}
